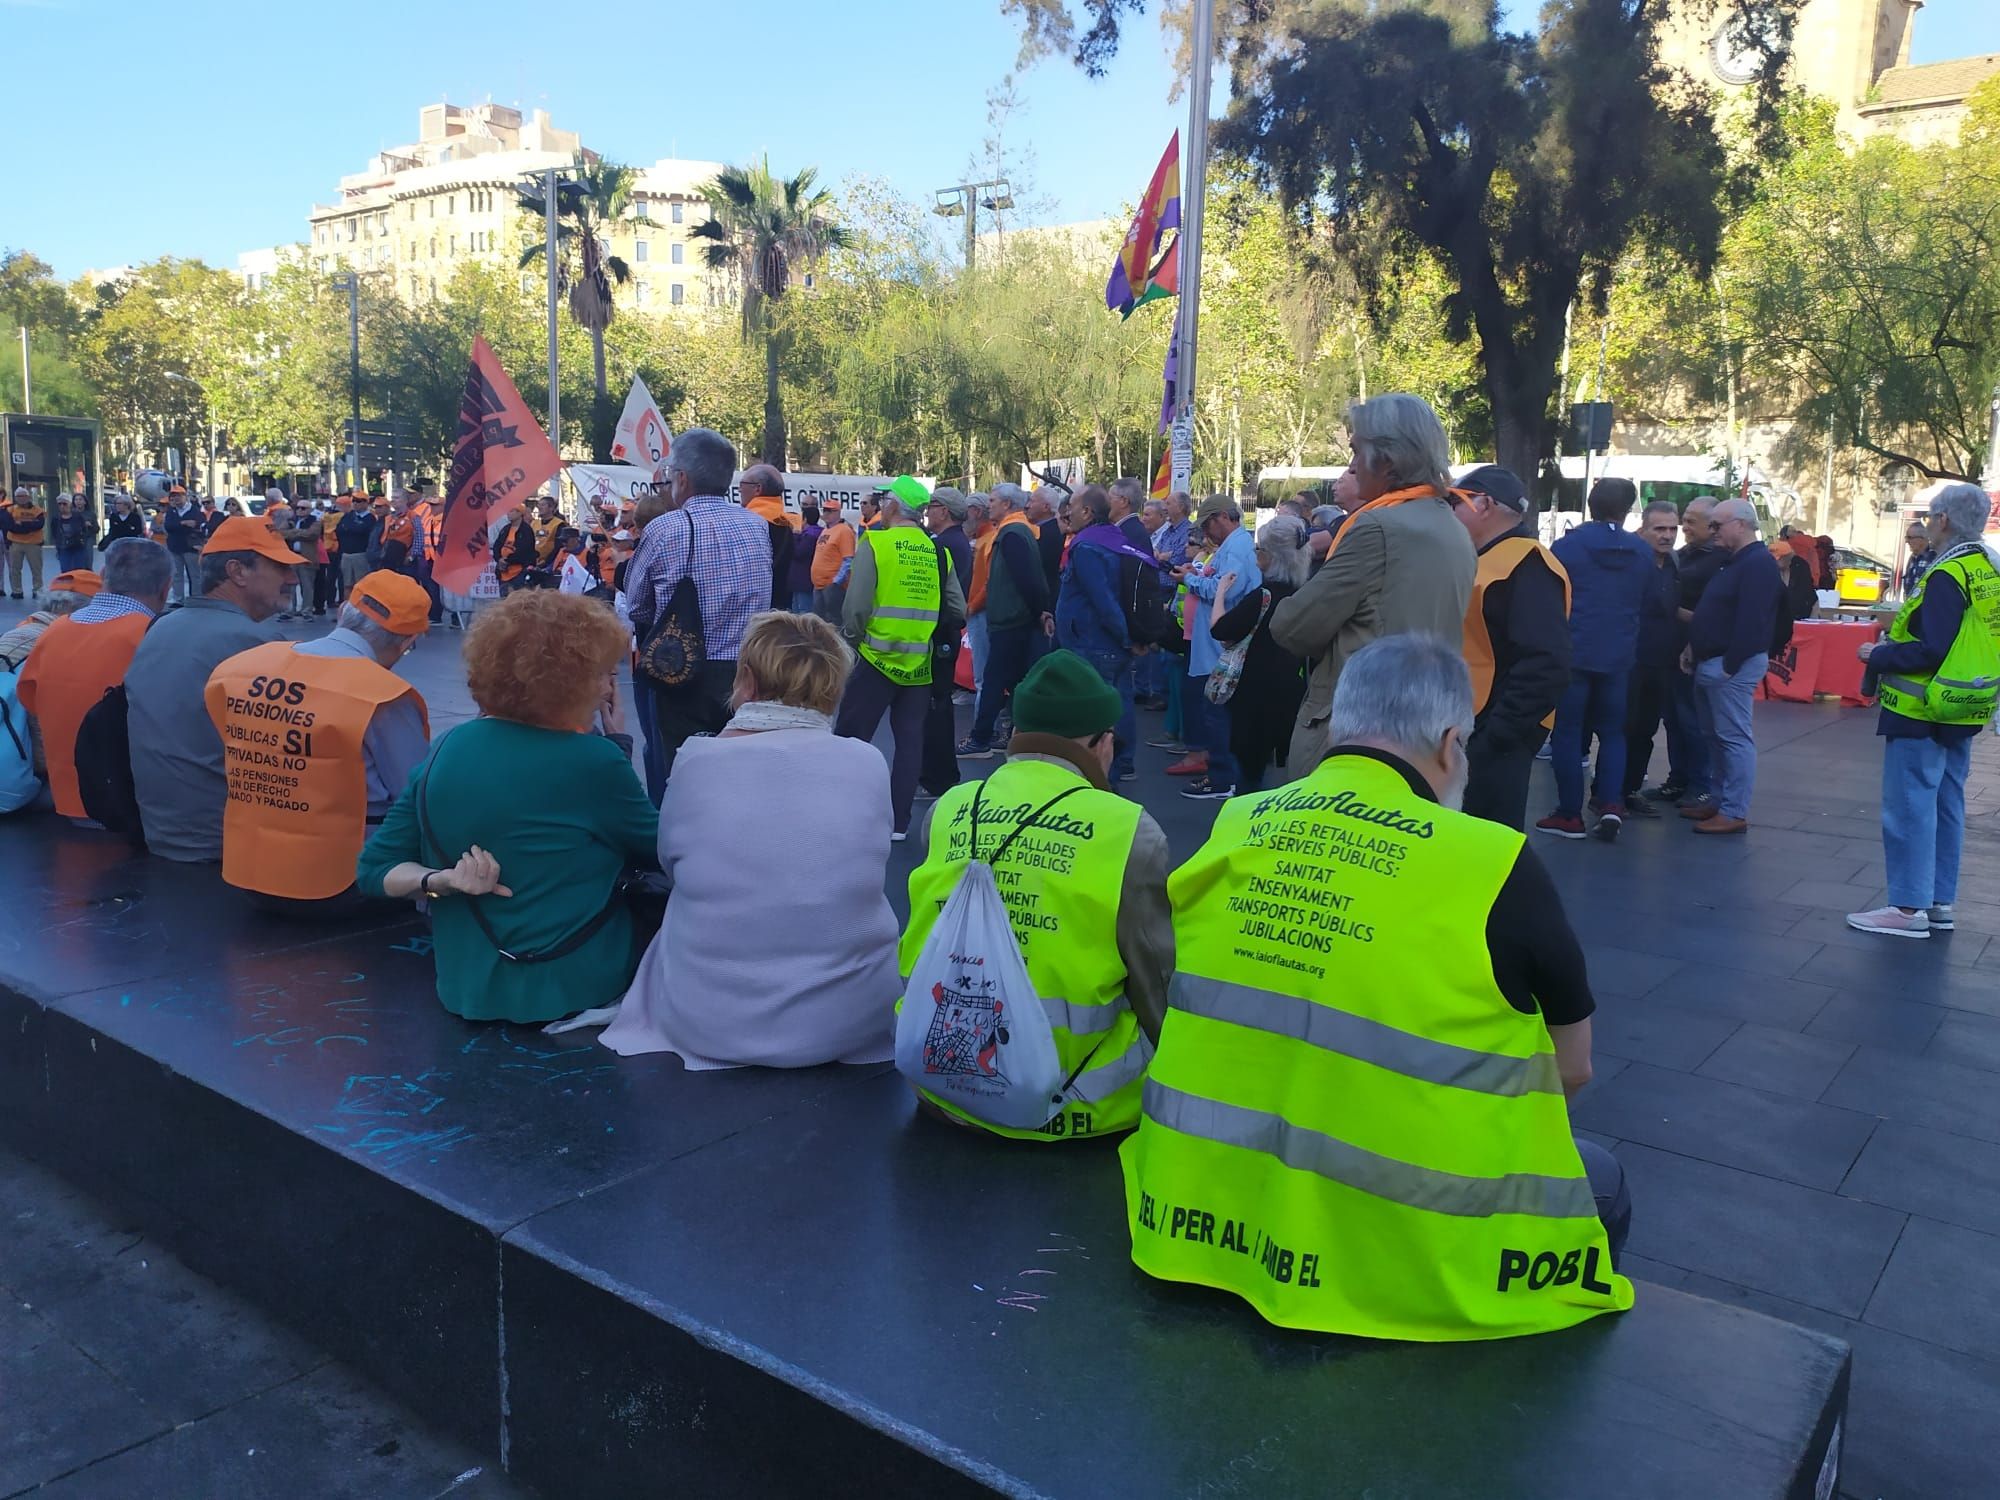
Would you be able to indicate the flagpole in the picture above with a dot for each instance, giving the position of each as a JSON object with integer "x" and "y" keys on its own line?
{"x": 1194, "y": 200}
{"x": 549, "y": 260}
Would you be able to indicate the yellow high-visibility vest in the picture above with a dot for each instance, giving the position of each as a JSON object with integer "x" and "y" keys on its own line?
{"x": 1965, "y": 689}
{"x": 896, "y": 637}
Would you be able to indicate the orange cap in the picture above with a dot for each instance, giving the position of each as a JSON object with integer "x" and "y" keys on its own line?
{"x": 245, "y": 534}
{"x": 77, "y": 581}
{"x": 398, "y": 603}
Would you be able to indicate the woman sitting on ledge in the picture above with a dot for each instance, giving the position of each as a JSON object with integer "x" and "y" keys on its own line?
{"x": 493, "y": 830}
{"x": 779, "y": 944}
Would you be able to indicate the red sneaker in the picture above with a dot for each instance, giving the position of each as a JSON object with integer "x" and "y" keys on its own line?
{"x": 1195, "y": 764}
{"x": 1562, "y": 827}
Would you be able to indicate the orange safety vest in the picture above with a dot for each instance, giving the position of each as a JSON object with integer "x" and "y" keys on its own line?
{"x": 1381, "y": 502}
{"x": 432, "y": 515}
{"x": 28, "y": 538}
{"x": 65, "y": 675}
{"x": 503, "y": 550}
{"x": 1496, "y": 563}
{"x": 292, "y": 728}
{"x": 402, "y": 529}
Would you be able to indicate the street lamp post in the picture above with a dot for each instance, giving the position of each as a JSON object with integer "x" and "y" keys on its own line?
{"x": 347, "y": 281}
{"x": 963, "y": 199}
{"x": 27, "y": 385}
{"x": 1194, "y": 202}
{"x": 549, "y": 182}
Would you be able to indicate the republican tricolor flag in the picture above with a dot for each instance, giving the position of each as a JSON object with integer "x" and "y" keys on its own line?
{"x": 1149, "y": 265}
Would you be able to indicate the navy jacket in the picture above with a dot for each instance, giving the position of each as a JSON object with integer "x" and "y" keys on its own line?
{"x": 1936, "y": 625}
{"x": 1610, "y": 570}
{"x": 1089, "y": 617}
{"x": 1738, "y": 614}
{"x": 1660, "y": 635}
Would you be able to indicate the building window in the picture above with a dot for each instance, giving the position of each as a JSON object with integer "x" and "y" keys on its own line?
{"x": 415, "y": 288}
{"x": 677, "y": 213}
{"x": 410, "y": 217}
{"x": 434, "y": 288}
{"x": 352, "y": 231}
{"x": 382, "y": 222}
{"x": 641, "y": 293}
{"x": 451, "y": 204}
{"x": 639, "y": 250}
{"x": 434, "y": 206}
{"x": 641, "y": 210}
{"x": 677, "y": 253}
{"x": 677, "y": 294}
{"x": 451, "y": 244}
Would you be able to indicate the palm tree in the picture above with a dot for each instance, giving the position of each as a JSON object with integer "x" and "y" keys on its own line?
{"x": 588, "y": 203}
{"x": 764, "y": 228}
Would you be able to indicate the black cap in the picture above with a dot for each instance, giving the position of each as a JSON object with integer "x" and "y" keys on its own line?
{"x": 1497, "y": 484}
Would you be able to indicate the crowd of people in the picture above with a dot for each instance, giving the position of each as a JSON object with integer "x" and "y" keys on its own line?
{"x": 1364, "y": 684}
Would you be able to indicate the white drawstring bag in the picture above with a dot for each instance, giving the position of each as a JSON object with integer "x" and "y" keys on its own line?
{"x": 971, "y": 1030}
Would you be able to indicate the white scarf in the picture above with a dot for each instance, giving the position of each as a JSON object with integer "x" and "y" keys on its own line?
{"x": 754, "y": 718}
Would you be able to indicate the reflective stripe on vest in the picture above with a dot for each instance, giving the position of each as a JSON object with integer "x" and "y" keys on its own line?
{"x": 1365, "y": 1171}
{"x": 1965, "y": 689}
{"x": 896, "y": 639}
{"x": 1346, "y": 1123}
{"x": 1062, "y": 881}
{"x": 292, "y": 728}
{"x": 1496, "y": 564}
{"x": 1324, "y": 1026}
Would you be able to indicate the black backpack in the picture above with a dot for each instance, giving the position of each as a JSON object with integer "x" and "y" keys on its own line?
{"x": 104, "y": 766}
{"x": 1144, "y": 596}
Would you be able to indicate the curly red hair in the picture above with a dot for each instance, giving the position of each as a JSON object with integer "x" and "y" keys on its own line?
{"x": 540, "y": 657}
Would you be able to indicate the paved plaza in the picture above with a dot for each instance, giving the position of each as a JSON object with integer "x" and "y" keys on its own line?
{"x": 1810, "y": 1117}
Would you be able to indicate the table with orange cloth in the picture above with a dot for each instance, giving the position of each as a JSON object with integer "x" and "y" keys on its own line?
{"x": 1821, "y": 660}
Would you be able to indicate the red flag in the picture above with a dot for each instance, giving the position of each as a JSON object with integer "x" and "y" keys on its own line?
{"x": 1163, "y": 477}
{"x": 501, "y": 459}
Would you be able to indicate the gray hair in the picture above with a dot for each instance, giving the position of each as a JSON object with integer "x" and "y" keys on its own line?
{"x": 1134, "y": 490}
{"x": 1008, "y": 497}
{"x": 1735, "y": 509}
{"x": 894, "y": 510}
{"x": 975, "y": 505}
{"x": 1654, "y": 507}
{"x": 1965, "y": 508}
{"x": 1402, "y": 692}
{"x": 1328, "y": 516}
{"x": 136, "y": 567}
{"x": 380, "y": 638}
{"x": 1281, "y": 549}
{"x": 1183, "y": 501}
{"x": 1153, "y": 507}
{"x": 706, "y": 457}
{"x": 1403, "y": 433}
{"x": 1704, "y": 500}
{"x": 62, "y": 601}
{"x": 215, "y": 565}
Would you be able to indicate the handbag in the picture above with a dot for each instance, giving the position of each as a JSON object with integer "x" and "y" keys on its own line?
{"x": 674, "y": 649}
{"x": 1228, "y": 668}
{"x": 641, "y": 892}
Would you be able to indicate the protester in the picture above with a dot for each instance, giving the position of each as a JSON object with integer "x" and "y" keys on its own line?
{"x": 1170, "y": 542}
{"x": 543, "y": 519}
{"x": 871, "y": 511}
{"x": 124, "y": 520}
{"x": 85, "y": 653}
{"x": 1922, "y": 555}
{"x": 1386, "y": 1102}
{"x": 1656, "y": 663}
{"x": 1799, "y": 596}
{"x": 1265, "y": 704}
{"x": 67, "y": 592}
{"x": 1946, "y": 635}
{"x": 1019, "y": 614}
{"x": 1516, "y": 642}
{"x": 763, "y": 491}
{"x": 73, "y": 533}
{"x": 182, "y": 523}
{"x": 528, "y": 920}
{"x": 26, "y": 523}
{"x": 177, "y": 765}
{"x": 299, "y": 534}
{"x": 804, "y": 553}
{"x": 1231, "y": 576}
{"x": 1049, "y": 539}
{"x": 1400, "y": 564}
{"x": 1610, "y": 574}
{"x": 1729, "y": 645}
{"x": 300, "y": 800}
{"x": 946, "y": 517}
{"x": 902, "y": 597}
{"x": 1093, "y": 857}
{"x": 1697, "y": 561}
{"x": 726, "y": 551}
{"x": 216, "y": 516}
{"x": 428, "y": 510}
{"x": 748, "y": 827}
{"x": 515, "y": 558}
{"x": 833, "y": 560}
{"x": 1090, "y": 612}
{"x": 354, "y": 536}
{"x": 979, "y": 527}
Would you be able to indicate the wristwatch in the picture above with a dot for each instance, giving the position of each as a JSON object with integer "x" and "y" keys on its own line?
{"x": 425, "y": 886}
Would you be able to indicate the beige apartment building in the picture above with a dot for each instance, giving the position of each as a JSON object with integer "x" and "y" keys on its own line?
{"x": 419, "y": 212}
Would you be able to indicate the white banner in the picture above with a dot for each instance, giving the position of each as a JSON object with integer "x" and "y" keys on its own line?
{"x": 816, "y": 489}
{"x": 1064, "y": 471}
{"x": 596, "y": 483}
{"x": 641, "y": 437}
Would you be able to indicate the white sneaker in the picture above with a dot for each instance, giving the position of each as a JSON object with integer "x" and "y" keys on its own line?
{"x": 1891, "y": 921}
{"x": 1941, "y": 917}
{"x": 898, "y": 837}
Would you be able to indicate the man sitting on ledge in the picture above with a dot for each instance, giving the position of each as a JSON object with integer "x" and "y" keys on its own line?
{"x": 1357, "y": 1116}
{"x": 318, "y": 739}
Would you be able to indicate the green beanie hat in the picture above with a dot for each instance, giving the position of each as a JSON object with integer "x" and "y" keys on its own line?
{"x": 1063, "y": 695}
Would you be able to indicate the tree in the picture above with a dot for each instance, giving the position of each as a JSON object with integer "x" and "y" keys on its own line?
{"x": 1522, "y": 165}
{"x": 140, "y": 347}
{"x": 587, "y": 205}
{"x": 32, "y": 298}
{"x": 766, "y": 229}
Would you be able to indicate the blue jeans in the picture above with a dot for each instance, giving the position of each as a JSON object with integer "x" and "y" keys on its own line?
{"x": 651, "y": 756}
{"x": 1010, "y": 651}
{"x": 1207, "y": 728}
{"x": 1115, "y": 667}
{"x": 1592, "y": 705}
{"x": 1177, "y": 680}
{"x": 1725, "y": 699}
{"x": 802, "y": 601}
{"x": 1923, "y": 818}
{"x": 72, "y": 559}
{"x": 975, "y": 634}
{"x": 1687, "y": 761}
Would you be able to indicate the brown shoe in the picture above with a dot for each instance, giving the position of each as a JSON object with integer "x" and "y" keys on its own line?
{"x": 1720, "y": 824}
{"x": 1698, "y": 812}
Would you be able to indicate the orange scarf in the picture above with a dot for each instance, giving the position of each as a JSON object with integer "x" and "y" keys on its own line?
{"x": 1380, "y": 502}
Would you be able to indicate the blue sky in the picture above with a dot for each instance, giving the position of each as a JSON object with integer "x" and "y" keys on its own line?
{"x": 219, "y": 123}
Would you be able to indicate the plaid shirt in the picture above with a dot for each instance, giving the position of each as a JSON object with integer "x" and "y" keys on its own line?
{"x": 108, "y": 606}
{"x": 731, "y": 567}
